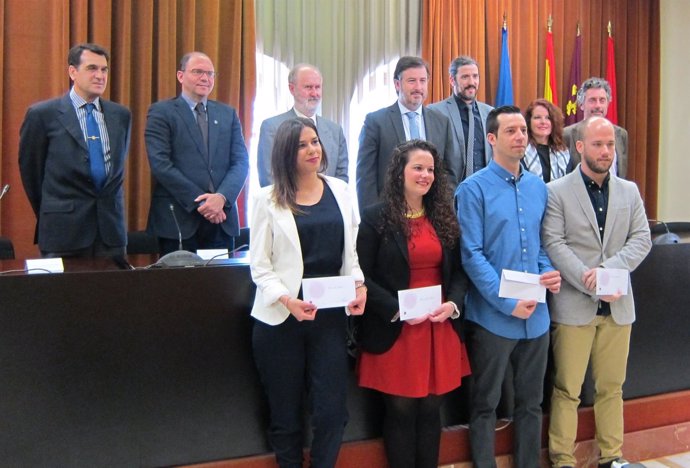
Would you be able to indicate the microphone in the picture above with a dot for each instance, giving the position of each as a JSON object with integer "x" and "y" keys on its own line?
{"x": 666, "y": 238}
{"x": 180, "y": 257}
{"x": 177, "y": 225}
{"x": 232, "y": 252}
{"x": 5, "y": 189}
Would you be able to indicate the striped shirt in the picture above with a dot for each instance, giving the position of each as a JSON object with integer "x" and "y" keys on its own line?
{"x": 80, "y": 106}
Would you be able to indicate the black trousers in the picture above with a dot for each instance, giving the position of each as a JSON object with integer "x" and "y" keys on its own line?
{"x": 490, "y": 356}
{"x": 295, "y": 358}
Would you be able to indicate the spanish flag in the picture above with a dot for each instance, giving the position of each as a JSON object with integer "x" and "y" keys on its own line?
{"x": 550, "y": 93}
{"x": 612, "y": 113}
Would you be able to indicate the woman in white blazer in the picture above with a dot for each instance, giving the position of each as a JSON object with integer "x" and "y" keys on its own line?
{"x": 547, "y": 155}
{"x": 305, "y": 225}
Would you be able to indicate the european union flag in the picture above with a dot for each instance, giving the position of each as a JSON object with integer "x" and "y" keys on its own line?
{"x": 504, "y": 95}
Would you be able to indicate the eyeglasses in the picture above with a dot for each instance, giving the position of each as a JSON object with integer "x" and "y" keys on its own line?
{"x": 198, "y": 73}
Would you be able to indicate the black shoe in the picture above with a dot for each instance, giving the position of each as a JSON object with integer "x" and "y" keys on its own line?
{"x": 620, "y": 463}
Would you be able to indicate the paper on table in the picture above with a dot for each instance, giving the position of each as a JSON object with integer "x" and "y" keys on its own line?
{"x": 212, "y": 254}
{"x": 612, "y": 281}
{"x": 329, "y": 291}
{"x": 520, "y": 285}
{"x": 418, "y": 302}
{"x": 44, "y": 265}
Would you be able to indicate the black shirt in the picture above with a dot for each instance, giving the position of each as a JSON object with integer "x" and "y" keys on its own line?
{"x": 599, "y": 196}
{"x": 322, "y": 236}
{"x": 478, "y": 149}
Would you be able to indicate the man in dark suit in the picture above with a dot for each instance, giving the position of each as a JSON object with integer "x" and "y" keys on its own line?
{"x": 72, "y": 159}
{"x": 405, "y": 120}
{"x": 464, "y": 81}
{"x": 304, "y": 82}
{"x": 594, "y": 97}
{"x": 199, "y": 162}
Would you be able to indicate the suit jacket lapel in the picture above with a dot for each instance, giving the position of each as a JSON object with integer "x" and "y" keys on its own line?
{"x": 614, "y": 194}
{"x": 285, "y": 219}
{"x": 584, "y": 201}
{"x": 430, "y": 127}
{"x": 68, "y": 118}
{"x": 401, "y": 242}
{"x": 212, "y": 114}
{"x": 396, "y": 121}
{"x": 115, "y": 130}
{"x": 456, "y": 121}
{"x": 188, "y": 118}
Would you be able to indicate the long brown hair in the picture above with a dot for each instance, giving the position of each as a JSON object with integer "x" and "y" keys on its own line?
{"x": 437, "y": 202}
{"x": 284, "y": 161}
{"x": 556, "y": 142}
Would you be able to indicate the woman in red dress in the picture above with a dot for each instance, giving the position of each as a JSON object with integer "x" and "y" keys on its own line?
{"x": 410, "y": 240}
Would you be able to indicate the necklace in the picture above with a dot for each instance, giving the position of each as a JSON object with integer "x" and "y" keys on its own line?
{"x": 415, "y": 214}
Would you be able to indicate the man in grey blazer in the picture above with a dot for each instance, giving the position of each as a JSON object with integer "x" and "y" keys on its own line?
{"x": 199, "y": 162}
{"x": 594, "y": 97}
{"x": 72, "y": 162}
{"x": 464, "y": 81}
{"x": 405, "y": 120}
{"x": 305, "y": 84}
{"x": 594, "y": 220}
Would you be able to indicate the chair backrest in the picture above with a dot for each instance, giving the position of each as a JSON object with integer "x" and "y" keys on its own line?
{"x": 141, "y": 242}
{"x": 6, "y": 249}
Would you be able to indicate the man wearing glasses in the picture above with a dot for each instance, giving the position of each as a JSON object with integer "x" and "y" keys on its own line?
{"x": 199, "y": 162}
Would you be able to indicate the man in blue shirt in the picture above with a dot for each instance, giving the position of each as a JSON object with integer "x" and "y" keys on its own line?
{"x": 500, "y": 210}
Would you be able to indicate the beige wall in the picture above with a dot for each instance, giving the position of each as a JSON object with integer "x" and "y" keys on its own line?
{"x": 674, "y": 144}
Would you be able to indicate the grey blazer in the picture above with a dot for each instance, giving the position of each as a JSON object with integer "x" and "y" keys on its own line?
{"x": 330, "y": 133}
{"x": 570, "y": 234}
{"x": 573, "y": 132}
{"x": 449, "y": 108}
{"x": 382, "y": 131}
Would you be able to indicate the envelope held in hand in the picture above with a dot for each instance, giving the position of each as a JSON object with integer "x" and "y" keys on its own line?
{"x": 519, "y": 285}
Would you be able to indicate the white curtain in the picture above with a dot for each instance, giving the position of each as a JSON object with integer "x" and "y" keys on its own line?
{"x": 346, "y": 39}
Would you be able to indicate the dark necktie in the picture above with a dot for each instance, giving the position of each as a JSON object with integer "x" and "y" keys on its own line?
{"x": 93, "y": 137}
{"x": 202, "y": 121}
{"x": 469, "y": 161}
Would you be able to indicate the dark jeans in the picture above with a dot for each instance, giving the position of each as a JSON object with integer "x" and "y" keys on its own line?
{"x": 295, "y": 358}
{"x": 489, "y": 356}
{"x": 208, "y": 236}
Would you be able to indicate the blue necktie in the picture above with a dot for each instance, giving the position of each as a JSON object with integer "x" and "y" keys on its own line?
{"x": 96, "y": 159}
{"x": 414, "y": 128}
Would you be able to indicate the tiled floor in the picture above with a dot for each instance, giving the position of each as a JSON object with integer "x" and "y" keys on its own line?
{"x": 681, "y": 460}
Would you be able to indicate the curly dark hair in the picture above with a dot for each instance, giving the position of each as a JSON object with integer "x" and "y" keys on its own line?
{"x": 438, "y": 201}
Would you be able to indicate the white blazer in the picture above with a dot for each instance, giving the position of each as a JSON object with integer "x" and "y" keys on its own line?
{"x": 276, "y": 255}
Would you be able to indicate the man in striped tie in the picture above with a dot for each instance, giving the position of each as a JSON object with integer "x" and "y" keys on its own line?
{"x": 72, "y": 158}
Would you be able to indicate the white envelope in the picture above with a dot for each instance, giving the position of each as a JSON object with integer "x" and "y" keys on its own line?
{"x": 44, "y": 265}
{"x": 611, "y": 281}
{"x": 418, "y": 302}
{"x": 329, "y": 291}
{"x": 520, "y": 285}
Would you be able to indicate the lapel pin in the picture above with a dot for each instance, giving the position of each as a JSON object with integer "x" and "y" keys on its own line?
{"x": 215, "y": 122}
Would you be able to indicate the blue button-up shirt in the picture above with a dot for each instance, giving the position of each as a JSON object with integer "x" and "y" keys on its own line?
{"x": 500, "y": 221}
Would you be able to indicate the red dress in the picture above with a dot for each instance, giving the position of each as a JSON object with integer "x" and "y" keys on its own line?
{"x": 427, "y": 358}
